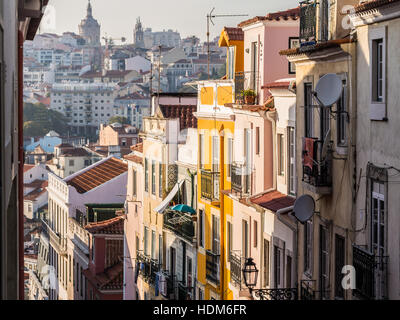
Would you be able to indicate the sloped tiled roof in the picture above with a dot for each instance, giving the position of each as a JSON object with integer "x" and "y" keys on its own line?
{"x": 41, "y": 189}
{"x": 133, "y": 158}
{"x": 274, "y": 201}
{"x": 110, "y": 279}
{"x": 369, "y": 5}
{"x": 98, "y": 175}
{"x": 138, "y": 147}
{"x": 111, "y": 226}
{"x": 183, "y": 112}
{"x": 28, "y": 167}
{"x": 234, "y": 34}
{"x": 292, "y": 14}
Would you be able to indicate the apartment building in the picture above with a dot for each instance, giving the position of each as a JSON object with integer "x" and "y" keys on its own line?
{"x": 325, "y": 241}
{"x": 86, "y": 106}
{"x": 104, "y": 181}
{"x": 376, "y": 245}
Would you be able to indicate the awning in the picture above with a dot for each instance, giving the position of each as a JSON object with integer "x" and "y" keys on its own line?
{"x": 164, "y": 204}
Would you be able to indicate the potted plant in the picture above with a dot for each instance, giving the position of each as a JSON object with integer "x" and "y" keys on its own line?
{"x": 249, "y": 96}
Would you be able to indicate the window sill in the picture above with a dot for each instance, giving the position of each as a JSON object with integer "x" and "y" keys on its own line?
{"x": 377, "y": 111}
{"x": 342, "y": 150}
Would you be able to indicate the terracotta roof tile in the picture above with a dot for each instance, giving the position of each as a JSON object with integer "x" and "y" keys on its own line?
{"x": 133, "y": 158}
{"x": 138, "y": 147}
{"x": 183, "y": 112}
{"x": 38, "y": 191}
{"x": 292, "y": 14}
{"x": 369, "y": 5}
{"x": 110, "y": 279}
{"x": 28, "y": 167}
{"x": 274, "y": 201}
{"x": 98, "y": 175}
{"x": 111, "y": 226}
{"x": 234, "y": 34}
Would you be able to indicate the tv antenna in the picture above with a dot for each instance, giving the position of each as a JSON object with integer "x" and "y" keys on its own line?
{"x": 210, "y": 17}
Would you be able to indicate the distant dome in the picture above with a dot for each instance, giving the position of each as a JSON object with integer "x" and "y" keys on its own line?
{"x": 52, "y": 134}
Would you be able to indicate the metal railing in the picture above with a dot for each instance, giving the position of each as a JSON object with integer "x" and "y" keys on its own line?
{"x": 148, "y": 267}
{"x": 277, "y": 294}
{"x": 236, "y": 269}
{"x": 308, "y": 292}
{"x": 184, "y": 229}
{"x": 210, "y": 185}
{"x": 240, "y": 179}
{"x": 320, "y": 175}
{"x": 308, "y": 22}
{"x": 58, "y": 242}
{"x": 239, "y": 87}
{"x": 212, "y": 266}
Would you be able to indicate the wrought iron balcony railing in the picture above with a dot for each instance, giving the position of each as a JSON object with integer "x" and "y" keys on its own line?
{"x": 277, "y": 294}
{"x": 181, "y": 224}
{"x": 239, "y": 87}
{"x": 318, "y": 173}
{"x": 212, "y": 266}
{"x": 371, "y": 274}
{"x": 210, "y": 185}
{"x": 185, "y": 292}
{"x": 236, "y": 262}
{"x": 241, "y": 179}
{"x": 308, "y": 22}
{"x": 148, "y": 267}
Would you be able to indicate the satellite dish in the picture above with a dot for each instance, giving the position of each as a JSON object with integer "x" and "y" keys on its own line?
{"x": 328, "y": 89}
{"x": 304, "y": 208}
{"x": 327, "y": 141}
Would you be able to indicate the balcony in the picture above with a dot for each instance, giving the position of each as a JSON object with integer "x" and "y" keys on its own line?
{"x": 308, "y": 22}
{"x": 169, "y": 290}
{"x": 181, "y": 224}
{"x": 317, "y": 174}
{"x": 148, "y": 267}
{"x": 58, "y": 242}
{"x": 239, "y": 87}
{"x": 185, "y": 292}
{"x": 210, "y": 182}
{"x": 241, "y": 179}
{"x": 236, "y": 269}
{"x": 371, "y": 275}
{"x": 212, "y": 267}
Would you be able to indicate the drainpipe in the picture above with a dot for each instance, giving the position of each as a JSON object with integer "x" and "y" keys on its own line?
{"x": 295, "y": 234}
{"x": 20, "y": 168}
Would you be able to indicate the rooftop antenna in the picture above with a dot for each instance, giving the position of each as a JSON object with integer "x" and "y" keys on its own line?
{"x": 210, "y": 16}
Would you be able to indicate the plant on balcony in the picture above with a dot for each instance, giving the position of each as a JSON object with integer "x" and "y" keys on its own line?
{"x": 249, "y": 96}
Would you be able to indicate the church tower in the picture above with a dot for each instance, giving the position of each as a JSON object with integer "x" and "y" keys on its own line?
{"x": 89, "y": 28}
{"x": 138, "y": 34}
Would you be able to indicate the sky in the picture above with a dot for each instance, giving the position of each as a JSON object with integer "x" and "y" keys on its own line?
{"x": 118, "y": 17}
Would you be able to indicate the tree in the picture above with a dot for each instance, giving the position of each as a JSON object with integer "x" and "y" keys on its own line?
{"x": 118, "y": 119}
{"x": 38, "y": 121}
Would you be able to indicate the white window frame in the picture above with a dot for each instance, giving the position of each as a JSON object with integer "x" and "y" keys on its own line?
{"x": 378, "y": 108}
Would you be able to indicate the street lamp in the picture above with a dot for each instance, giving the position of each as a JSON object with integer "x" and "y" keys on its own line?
{"x": 250, "y": 274}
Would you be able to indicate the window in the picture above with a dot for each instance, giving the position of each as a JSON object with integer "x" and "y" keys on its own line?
{"x": 255, "y": 234}
{"x": 325, "y": 123}
{"x": 146, "y": 175}
{"x": 160, "y": 249}
{"x": 257, "y": 140}
{"x": 153, "y": 177}
{"x": 342, "y": 118}
{"x": 153, "y": 245}
{"x": 215, "y": 235}
{"x": 324, "y": 20}
{"x": 215, "y": 153}
{"x": 266, "y": 263}
{"x": 323, "y": 262}
{"x": 378, "y": 223}
{"x": 231, "y": 62}
{"x": 201, "y": 228}
{"x": 202, "y": 150}
{"x": 308, "y": 227}
{"x": 254, "y": 66}
{"x": 289, "y": 272}
{"x": 245, "y": 239}
{"x": 160, "y": 185}
{"x": 229, "y": 239}
{"x": 308, "y": 110}
{"x": 277, "y": 266}
{"x": 172, "y": 261}
{"x": 71, "y": 163}
{"x": 340, "y": 250}
{"x": 230, "y": 157}
{"x": 281, "y": 155}
{"x": 146, "y": 241}
{"x": 292, "y": 162}
{"x": 377, "y": 70}
{"x": 134, "y": 190}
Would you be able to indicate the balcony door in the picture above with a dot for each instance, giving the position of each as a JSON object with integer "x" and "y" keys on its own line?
{"x": 378, "y": 235}
{"x": 215, "y": 153}
{"x": 254, "y": 66}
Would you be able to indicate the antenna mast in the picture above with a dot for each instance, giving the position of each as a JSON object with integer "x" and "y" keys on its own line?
{"x": 210, "y": 16}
